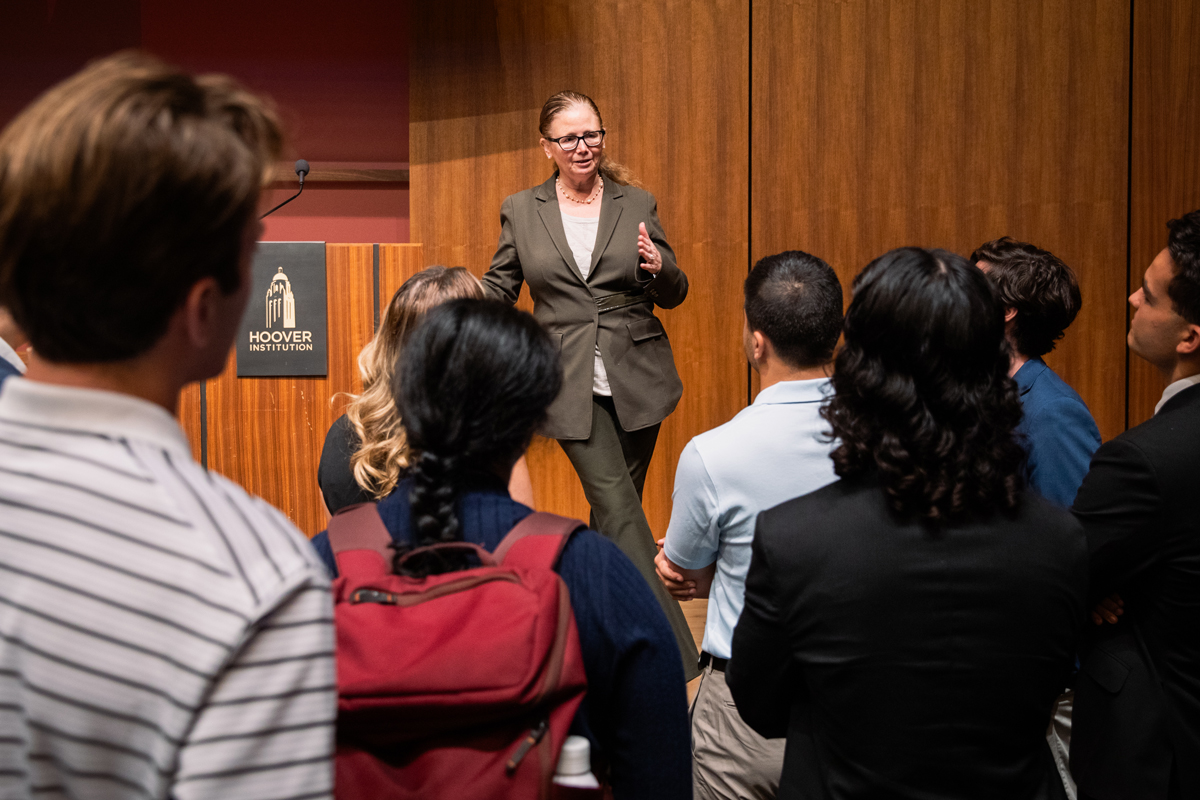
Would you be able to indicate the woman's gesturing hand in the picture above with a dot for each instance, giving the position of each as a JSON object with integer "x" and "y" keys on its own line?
{"x": 651, "y": 258}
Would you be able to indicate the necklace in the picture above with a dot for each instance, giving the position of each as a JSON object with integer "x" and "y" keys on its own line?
{"x": 588, "y": 200}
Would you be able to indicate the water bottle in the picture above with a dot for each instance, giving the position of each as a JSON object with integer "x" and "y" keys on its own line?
{"x": 573, "y": 780}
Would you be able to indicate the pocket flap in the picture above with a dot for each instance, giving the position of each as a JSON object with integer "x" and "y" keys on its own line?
{"x": 642, "y": 329}
{"x": 1106, "y": 670}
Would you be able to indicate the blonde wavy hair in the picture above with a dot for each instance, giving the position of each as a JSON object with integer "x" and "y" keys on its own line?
{"x": 609, "y": 170}
{"x": 382, "y": 453}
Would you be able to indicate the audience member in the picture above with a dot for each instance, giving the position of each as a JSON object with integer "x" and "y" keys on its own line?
{"x": 365, "y": 450}
{"x": 909, "y": 626}
{"x": 770, "y": 452}
{"x": 1041, "y": 298}
{"x": 1137, "y": 705}
{"x": 472, "y": 385}
{"x": 164, "y": 634}
{"x": 11, "y": 337}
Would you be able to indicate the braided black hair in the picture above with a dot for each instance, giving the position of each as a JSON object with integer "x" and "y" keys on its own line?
{"x": 472, "y": 384}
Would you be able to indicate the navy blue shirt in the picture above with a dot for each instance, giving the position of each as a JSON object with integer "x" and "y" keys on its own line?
{"x": 7, "y": 370}
{"x": 635, "y": 710}
{"x": 1059, "y": 432}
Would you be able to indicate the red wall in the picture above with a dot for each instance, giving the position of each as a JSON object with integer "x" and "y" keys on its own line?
{"x": 338, "y": 72}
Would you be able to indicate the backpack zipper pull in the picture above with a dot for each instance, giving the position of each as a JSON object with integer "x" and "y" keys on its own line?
{"x": 532, "y": 738}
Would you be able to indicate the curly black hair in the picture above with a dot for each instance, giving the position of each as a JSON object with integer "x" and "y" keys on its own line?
{"x": 1035, "y": 282}
{"x": 922, "y": 395}
{"x": 472, "y": 384}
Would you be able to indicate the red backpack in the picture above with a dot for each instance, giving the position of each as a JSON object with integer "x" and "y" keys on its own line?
{"x": 460, "y": 685}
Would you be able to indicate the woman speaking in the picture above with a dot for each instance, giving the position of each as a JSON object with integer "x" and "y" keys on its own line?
{"x": 592, "y": 250}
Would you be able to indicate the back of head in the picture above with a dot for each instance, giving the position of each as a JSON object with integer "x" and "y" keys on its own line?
{"x": 1036, "y": 283}
{"x": 473, "y": 383}
{"x": 795, "y": 300}
{"x": 922, "y": 394}
{"x": 383, "y": 447}
{"x": 1184, "y": 246}
{"x": 120, "y": 188}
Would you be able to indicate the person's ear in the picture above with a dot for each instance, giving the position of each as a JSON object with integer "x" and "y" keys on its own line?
{"x": 201, "y": 312}
{"x": 1189, "y": 342}
{"x": 1009, "y": 315}
{"x": 545, "y": 147}
{"x": 760, "y": 346}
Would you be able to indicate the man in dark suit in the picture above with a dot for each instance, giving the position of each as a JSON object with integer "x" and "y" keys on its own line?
{"x": 11, "y": 337}
{"x": 1137, "y": 698}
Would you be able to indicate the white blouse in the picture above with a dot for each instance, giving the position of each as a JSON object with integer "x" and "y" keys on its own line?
{"x": 581, "y": 236}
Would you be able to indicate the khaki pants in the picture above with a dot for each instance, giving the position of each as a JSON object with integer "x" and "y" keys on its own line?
{"x": 612, "y": 465}
{"x": 729, "y": 760}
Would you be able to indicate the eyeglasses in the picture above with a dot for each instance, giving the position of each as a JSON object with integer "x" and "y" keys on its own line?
{"x": 571, "y": 141}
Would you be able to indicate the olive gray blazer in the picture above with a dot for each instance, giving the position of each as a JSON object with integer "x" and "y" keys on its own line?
{"x": 637, "y": 356}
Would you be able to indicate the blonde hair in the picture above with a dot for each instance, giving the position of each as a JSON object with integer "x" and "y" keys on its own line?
{"x": 382, "y": 453}
{"x": 609, "y": 170}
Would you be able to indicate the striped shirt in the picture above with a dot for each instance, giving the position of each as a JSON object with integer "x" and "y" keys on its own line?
{"x": 162, "y": 633}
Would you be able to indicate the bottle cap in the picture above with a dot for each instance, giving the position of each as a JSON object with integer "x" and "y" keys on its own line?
{"x": 576, "y": 756}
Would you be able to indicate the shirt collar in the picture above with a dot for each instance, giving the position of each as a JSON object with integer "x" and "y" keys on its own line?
{"x": 816, "y": 390}
{"x": 1175, "y": 388}
{"x": 1028, "y": 374}
{"x": 111, "y": 415}
{"x": 10, "y": 355}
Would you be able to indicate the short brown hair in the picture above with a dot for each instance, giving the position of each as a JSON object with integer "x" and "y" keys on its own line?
{"x": 120, "y": 188}
{"x": 1038, "y": 285}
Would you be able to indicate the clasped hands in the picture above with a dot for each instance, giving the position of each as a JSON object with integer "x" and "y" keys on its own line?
{"x": 675, "y": 584}
{"x": 1108, "y": 609}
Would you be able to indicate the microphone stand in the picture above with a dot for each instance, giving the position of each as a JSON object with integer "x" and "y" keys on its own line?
{"x": 301, "y": 171}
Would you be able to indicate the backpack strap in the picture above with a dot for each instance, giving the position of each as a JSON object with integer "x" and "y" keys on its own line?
{"x": 358, "y": 527}
{"x": 537, "y": 540}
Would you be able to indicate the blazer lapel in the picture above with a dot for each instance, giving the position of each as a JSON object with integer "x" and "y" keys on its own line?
{"x": 610, "y": 212}
{"x": 552, "y": 219}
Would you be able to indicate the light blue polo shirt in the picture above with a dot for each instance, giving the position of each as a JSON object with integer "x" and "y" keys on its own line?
{"x": 769, "y": 453}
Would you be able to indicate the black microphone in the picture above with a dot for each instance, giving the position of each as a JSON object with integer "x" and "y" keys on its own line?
{"x": 301, "y": 170}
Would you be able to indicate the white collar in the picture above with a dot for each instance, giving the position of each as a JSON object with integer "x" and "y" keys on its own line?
{"x": 1177, "y": 387}
{"x": 10, "y": 355}
{"x": 112, "y": 415}
{"x": 814, "y": 390}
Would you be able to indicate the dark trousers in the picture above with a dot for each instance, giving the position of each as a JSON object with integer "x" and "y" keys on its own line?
{"x": 612, "y": 466}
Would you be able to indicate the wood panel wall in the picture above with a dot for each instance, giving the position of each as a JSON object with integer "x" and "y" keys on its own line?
{"x": 672, "y": 83}
{"x": 266, "y": 433}
{"x": 1166, "y": 151}
{"x": 941, "y": 123}
{"x": 397, "y": 263}
{"x": 840, "y": 128}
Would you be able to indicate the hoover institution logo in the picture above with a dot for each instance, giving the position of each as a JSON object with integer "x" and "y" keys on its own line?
{"x": 281, "y": 302}
{"x": 281, "y": 313}
{"x": 284, "y": 329}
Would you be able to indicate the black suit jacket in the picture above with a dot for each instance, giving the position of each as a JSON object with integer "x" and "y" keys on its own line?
{"x": 901, "y": 662}
{"x": 1137, "y": 701}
